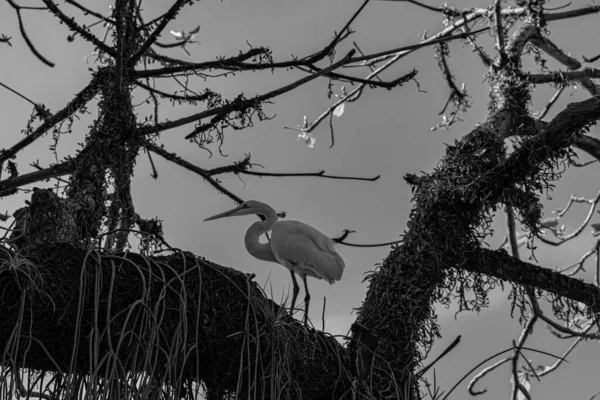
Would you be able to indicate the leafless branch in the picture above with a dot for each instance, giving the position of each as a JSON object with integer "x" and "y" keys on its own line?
{"x": 499, "y": 30}
{"x": 341, "y": 240}
{"x": 320, "y": 174}
{"x": 591, "y": 60}
{"x": 551, "y": 102}
{"x": 30, "y": 44}
{"x": 74, "y": 105}
{"x": 70, "y": 22}
{"x": 564, "y": 76}
{"x": 241, "y": 105}
{"x": 165, "y": 19}
{"x": 571, "y": 63}
{"x": 86, "y": 10}
{"x": 174, "y": 158}
{"x": 379, "y": 83}
{"x": 7, "y": 185}
{"x": 588, "y": 144}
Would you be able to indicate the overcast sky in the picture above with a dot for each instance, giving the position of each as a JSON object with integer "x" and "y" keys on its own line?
{"x": 385, "y": 133}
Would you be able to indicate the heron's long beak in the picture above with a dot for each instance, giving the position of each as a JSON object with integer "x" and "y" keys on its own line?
{"x": 229, "y": 213}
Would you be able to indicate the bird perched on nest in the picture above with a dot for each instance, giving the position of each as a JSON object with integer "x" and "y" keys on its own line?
{"x": 297, "y": 246}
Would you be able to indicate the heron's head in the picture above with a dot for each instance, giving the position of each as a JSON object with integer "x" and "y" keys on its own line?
{"x": 246, "y": 208}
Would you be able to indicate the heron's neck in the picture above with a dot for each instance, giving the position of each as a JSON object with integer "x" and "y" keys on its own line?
{"x": 262, "y": 251}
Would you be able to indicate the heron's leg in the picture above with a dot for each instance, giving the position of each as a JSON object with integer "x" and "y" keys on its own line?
{"x": 306, "y": 299}
{"x": 296, "y": 289}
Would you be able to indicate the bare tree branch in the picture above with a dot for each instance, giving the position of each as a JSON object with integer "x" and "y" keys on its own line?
{"x": 54, "y": 171}
{"x": 74, "y": 105}
{"x": 70, "y": 22}
{"x": 174, "y": 158}
{"x": 564, "y": 76}
{"x": 26, "y": 37}
{"x": 241, "y": 105}
{"x": 571, "y": 63}
{"x": 320, "y": 174}
{"x": 501, "y": 265}
{"x": 164, "y": 20}
{"x": 86, "y": 10}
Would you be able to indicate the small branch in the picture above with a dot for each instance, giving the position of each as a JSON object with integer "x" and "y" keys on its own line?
{"x": 482, "y": 374}
{"x": 591, "y": 60}
{"x": 7, "y": 185}
{"x": 70, "y": 22}
{"x": 377, "y": 57}
{"x": 174, "y": 158}
{"x": 499, "y": 30}
{"x": 236, "y": 64}
{"x": 320, "y": 174}
{"x": 347, "y": 232}
{"x": 564, "y": 76}
{"x": 579, "y": 12}
{"x": 451, "y": 347}
{"x": 74, "y": 105}
{"x": 592, "y": 202}
{"x": 551, "y": 102}
{"x": 241, "y": 105}
{"x": 588, "y": 144}
{"x": 26, "y": 37}
{"x": 90, "y": 12}
{"x": 165, "y": 19}
{"x": 571, "y": 63}
{"x": 379, "y": 83}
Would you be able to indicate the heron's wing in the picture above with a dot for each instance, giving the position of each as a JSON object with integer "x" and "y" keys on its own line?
{"x": 309, "y": 251}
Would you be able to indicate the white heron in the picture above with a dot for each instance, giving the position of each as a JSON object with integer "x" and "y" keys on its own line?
{"x": 297, "y": 246}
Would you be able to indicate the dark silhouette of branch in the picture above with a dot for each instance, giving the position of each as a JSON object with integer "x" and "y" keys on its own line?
{"x": 232, "y": 64}
{"x": 7, "y": 185}
{"x": 320, "y": 174}
{"x": 27, "y": 99}
{"x": 70, "y": 22}
{"x": 578, "y": 12}
{"x": 591, "y": 60}
{"x": 551, "y": 102}
{"x": 165, "y": 19}
{"x": 588, "y": 144}
{"x": 174, "y": 158}
{"x": 499, "y": 264}
{"x": 236, "y": 64}
{"x": 5, "y": 39}
{"x": 378, "y": 83}
{"x": 79, "y": 101}
{"x": 241, "y": 105}
{"x": 26, "y": 37}
{"x": 377, "y": 57}
{"x": 564, "y": 76}
{"x": 90, "y": 12}
{"x": 347, "y": 232}
{"x": 570, "y": 62}
{"x": 499, "y": 30}
{"x": 448, "y": 349}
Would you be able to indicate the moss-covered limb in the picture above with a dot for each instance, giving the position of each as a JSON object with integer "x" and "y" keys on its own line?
{"x": 79, "y": 101}
{"x": 108, "y": 317}
{"x": 451, "y": 216}
{"x": 501, "y": 265}
{"x": 54, "y": 171}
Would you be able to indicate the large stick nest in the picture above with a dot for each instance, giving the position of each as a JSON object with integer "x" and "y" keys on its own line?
{"x": 123, "y": 325}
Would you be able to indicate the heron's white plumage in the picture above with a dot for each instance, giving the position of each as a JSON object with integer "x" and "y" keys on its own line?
{"x": 295, "y": 245}
{"x": 306, "y": 251}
